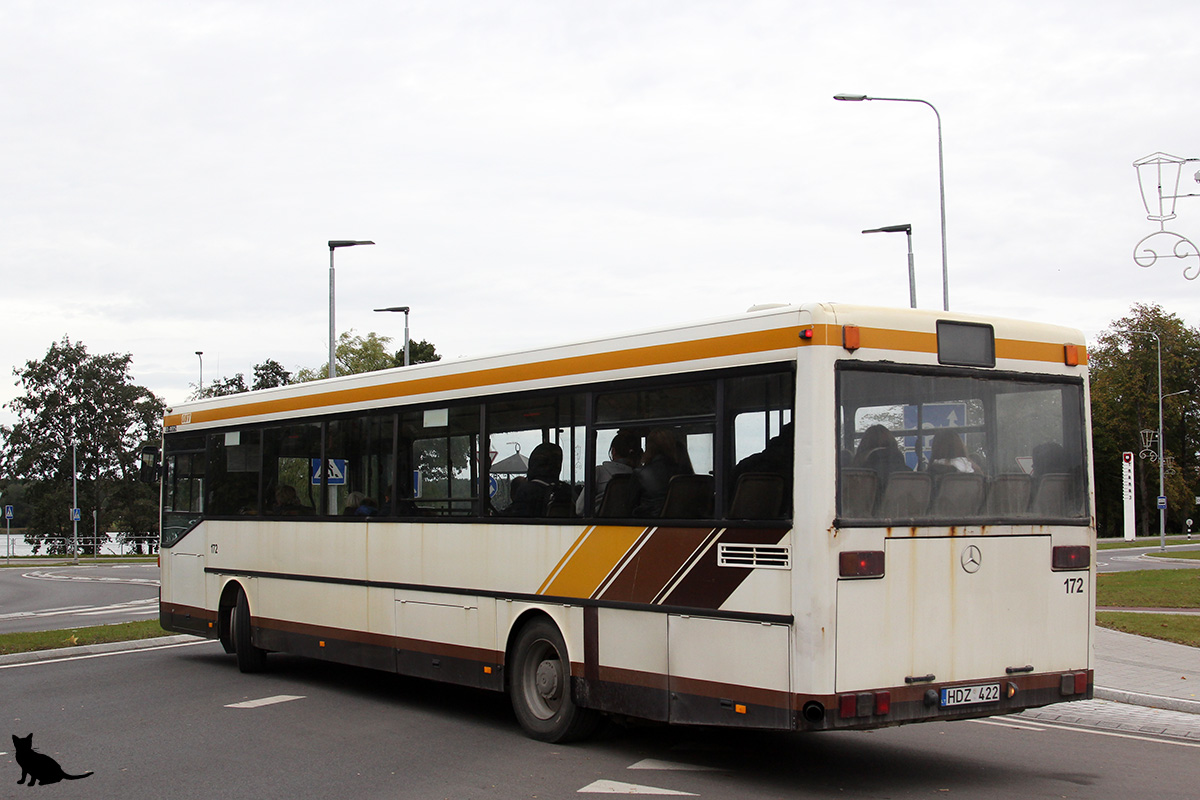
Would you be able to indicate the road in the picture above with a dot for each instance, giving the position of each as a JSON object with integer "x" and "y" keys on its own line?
{"x": 165, "y": 723}
{"x": 1135, "y": 558}
{"x": 35, "y": 597}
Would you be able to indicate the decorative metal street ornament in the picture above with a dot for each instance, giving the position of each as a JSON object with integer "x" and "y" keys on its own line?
{"x": 1149, "y": 440}
{"x": 1158, "y": 172}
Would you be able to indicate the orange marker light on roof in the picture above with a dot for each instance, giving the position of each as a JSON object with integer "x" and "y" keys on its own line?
{"x": 1071, "y": 355}
{"x": 850, "y": 337}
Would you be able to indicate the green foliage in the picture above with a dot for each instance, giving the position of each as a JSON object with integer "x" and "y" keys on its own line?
{"x": 80, "y": 415}
{"x": 270, "y": 374}
{"x": 1178, "y": 628}
{"x": 223, "y": 387}
{"x": 358, "y": 354}
{"x": 421, "y": 352}
{"x": 1124, "y": 395}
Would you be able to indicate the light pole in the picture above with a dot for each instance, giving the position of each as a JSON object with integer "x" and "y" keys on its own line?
{"x": 1162, "y": 512}
{"x": 333, "y": 245}
{"x": 912, "y": 276}
{"x": 858, "y": 98}
{"x": 405, "y": 310}
{"x": 200, "y": 385}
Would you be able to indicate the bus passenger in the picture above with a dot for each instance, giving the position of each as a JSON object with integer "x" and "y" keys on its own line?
{"x": 878, "y": 451}
{"x": 947, "y": 453}
{"x": 532, "y": 498}
{"x": 666, "y": 456}
{"x": 623, "y": 456}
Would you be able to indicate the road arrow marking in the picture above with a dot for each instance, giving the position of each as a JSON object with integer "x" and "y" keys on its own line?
{"x": 654, "y": 763}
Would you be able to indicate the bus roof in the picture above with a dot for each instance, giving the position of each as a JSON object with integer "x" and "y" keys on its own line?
{"x": 763, "y": 335}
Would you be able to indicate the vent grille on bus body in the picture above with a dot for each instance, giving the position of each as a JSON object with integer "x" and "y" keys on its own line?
{"x": 759, "y": 556}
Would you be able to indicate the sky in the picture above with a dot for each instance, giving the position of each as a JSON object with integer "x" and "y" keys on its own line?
{"x": 541, "y": 172}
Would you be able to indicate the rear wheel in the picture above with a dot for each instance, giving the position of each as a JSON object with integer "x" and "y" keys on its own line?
{"x": 249, "y": 657}
{"x": 540, "y": 687}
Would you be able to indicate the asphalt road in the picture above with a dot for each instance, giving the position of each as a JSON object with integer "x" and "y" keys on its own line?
{"x": 37, "y": 597}
{"x": 1135, "y": 558}
{"x": 165, "y": 723}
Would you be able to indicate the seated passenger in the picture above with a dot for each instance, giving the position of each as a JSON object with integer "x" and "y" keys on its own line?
{"x": 947, "y": 453}
{"x": 623, "y": 456}
{"x": 666, "y": 456}
{"x": 878, "y": 451}
{"x": 541, "y": 484}
{"x": 775, "y": 459}
{"x": 287, "y": 502}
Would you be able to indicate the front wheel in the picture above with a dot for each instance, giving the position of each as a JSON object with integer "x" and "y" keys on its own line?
{"x": 540, "y": 687}
{"x": 249, "y": 657}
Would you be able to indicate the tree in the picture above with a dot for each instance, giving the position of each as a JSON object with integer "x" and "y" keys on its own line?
{"x": 421, "y": 352}
{"x": 1124, "y": 394}
{"x": 358, "y": 354}
{"x": 269, "y": 374}
{"x": 223, "y": 387}
{"x": 81, "y": 416}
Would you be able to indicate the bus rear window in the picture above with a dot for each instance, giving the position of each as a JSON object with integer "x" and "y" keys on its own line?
{"x": 956, "y": 446}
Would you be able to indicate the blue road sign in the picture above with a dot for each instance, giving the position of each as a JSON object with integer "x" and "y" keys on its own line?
{"x": 8, "y": 512}
{"x": 335, "y": 472}
{"x": 1162, "y": 502}
{"x": 74, "y": 515}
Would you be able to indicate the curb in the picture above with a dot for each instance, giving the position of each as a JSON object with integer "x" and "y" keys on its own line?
{"x": 97, "y": 649}
{"x": 1148, "y": 700}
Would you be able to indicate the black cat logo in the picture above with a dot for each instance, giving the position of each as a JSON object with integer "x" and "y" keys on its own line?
{"x": 38, "y": 767}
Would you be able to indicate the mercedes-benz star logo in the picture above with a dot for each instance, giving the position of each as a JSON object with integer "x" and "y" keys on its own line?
{"x": 971, "y": 558}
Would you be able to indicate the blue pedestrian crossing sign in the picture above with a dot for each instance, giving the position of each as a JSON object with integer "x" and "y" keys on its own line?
{"x": 8, "y": 512}
{"x": 74, "y": 515}
{"x": 335, "y": 472}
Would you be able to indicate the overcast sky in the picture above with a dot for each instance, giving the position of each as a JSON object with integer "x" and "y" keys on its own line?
{"x": 539, "y": 172}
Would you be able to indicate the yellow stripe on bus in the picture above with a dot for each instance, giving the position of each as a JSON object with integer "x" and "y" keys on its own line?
{"x": 592, "y": 560}
{"x": 652, "y": 355}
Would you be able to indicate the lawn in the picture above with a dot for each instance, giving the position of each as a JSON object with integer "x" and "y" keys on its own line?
{"x": 1170, "y": 627}
{"x": 49, "y": 640}
{"x": 1150, "y": 588}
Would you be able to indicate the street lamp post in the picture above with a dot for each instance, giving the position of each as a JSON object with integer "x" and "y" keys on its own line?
{"x": 858, "y": 98}
{"x": 405, "y": 310}
{"x": 1162, "y": 512}
{"x": 333, "y": 245}
{"x": 200, "y": 385}
{"x": 912, "y": 275}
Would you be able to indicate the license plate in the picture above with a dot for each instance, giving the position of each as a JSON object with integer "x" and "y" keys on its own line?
{"x": 968, "y": 695}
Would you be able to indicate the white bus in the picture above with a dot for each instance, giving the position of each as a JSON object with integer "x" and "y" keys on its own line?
{"x": 809, "y": 517}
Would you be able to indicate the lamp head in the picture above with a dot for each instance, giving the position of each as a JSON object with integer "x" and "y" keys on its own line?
{"x": 345, "y": 243}
{"x": 852, "y": 98}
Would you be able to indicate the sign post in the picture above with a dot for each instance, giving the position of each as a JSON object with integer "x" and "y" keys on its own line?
{"x": 1127, "y": 494}
{"x": 8, "y": 515}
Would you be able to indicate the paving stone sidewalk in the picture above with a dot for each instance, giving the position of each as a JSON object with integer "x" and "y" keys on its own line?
{"x": 1146, "y": 672}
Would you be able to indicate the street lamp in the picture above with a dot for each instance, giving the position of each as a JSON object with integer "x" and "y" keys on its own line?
{"x": 858, "y": 98}
{"x": 1162, "y": 512}
{"x": 912, "y": 276}
{"x": 405, "y": 310}
{"x": 333, "y": 245}
{"x": 200, "y": 385}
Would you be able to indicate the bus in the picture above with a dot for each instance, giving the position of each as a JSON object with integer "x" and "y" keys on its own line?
{"x": 824, "y": 517}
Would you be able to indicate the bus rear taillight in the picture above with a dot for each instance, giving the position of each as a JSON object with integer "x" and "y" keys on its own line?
{"x": 1071, "y": 557}
{"x": 861, "y": 564}
{"x": 864, "y": 704}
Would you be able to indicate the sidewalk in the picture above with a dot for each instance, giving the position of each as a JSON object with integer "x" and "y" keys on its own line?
{"x": 1146, "y": 672}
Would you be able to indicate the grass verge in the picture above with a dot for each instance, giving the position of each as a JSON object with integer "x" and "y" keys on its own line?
{"x": 1149, "y": 588}
{"x": 1170, "y": 627}
{"x": 71, "y": 637}
{"x": 1192, "y": 554}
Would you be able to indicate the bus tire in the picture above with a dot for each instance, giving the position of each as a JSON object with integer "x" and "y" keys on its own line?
{"x": 249, "y": 657}
{"x": 540, "y": 687}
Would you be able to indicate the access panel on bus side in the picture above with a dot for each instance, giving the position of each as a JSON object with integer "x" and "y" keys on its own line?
{"x": 729, "y": 672}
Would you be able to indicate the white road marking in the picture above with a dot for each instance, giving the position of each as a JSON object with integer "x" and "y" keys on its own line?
{"x": 654, "y": 763}
{"x": 1157, "y": 740}
{"x": 1021, "y": 726}
{"x": 617, "y": 787}
{"x": 266, "y": 701}
{"x": 105, "y": 655}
